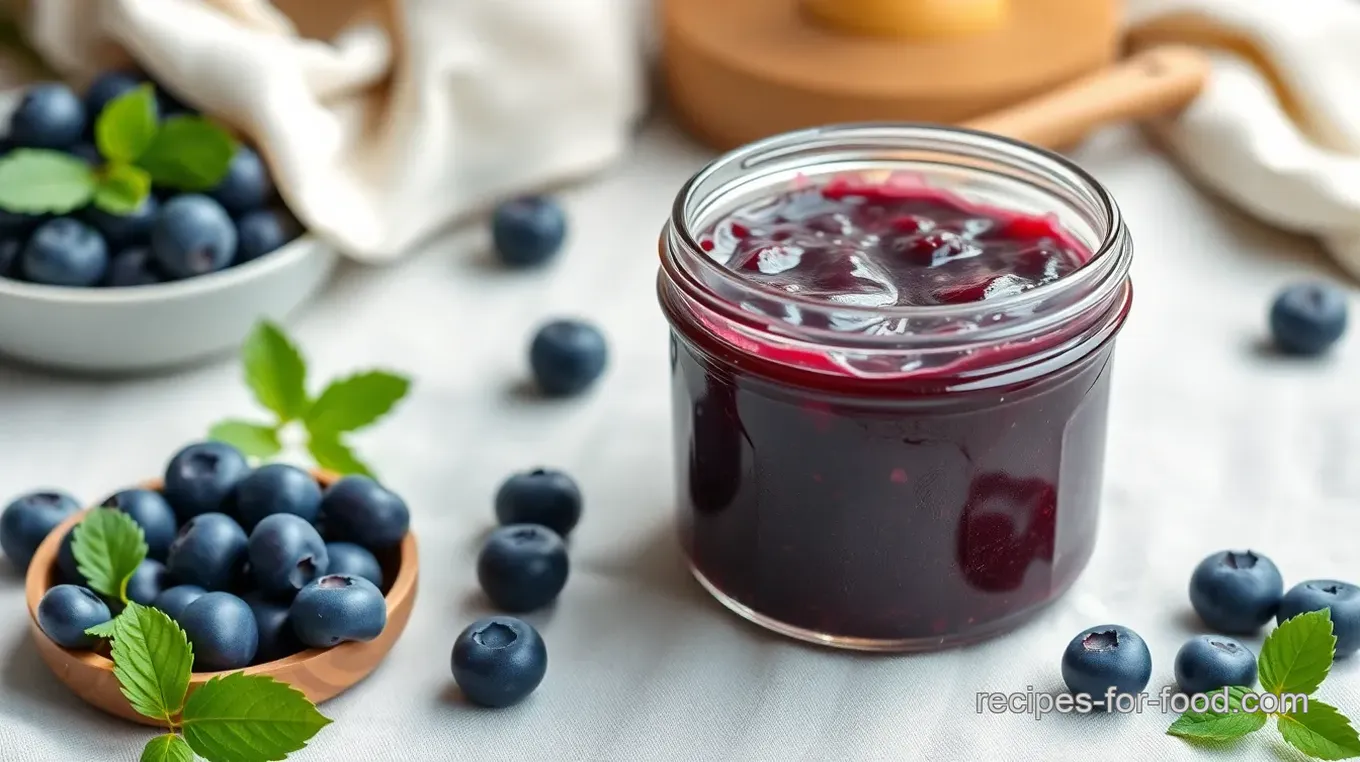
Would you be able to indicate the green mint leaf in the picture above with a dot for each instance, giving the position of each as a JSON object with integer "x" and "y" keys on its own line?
{"x": 249, "y": 718}
{"x": 152, "y": 660}
{"x": 355, "y": 402}
{"x": 108, "y": 546}
{"x": 1297, "y": 655}
{"x": 167, "y": 748}
{"x": 1209, "y": 726}
{"x": 105, "y": 630}
{"x": 275, "y": 371}
{"x": 1322, "y": 732}
{"x": 127, "y": 125}
{"x": 188, "y": 153}
{"x": 253, "y": 439}
{"x": 37, "y": 182}
{"x": 121, "y": 188}
{"x": 333, "y": 454}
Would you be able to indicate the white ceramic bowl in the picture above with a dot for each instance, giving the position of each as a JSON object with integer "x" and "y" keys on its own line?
{"x": 150, "y": 328}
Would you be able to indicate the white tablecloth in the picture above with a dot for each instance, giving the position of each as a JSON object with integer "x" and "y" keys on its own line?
{"x": 1213, "y": 444}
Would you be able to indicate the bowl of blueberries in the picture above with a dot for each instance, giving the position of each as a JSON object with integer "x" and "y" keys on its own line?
{"x": 303, "y": 576}
{"x": 180, "y": 278}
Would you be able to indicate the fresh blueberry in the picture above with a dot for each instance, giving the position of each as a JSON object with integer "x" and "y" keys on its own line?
{"x": 27, "y": 521}
{"x": 66, "y": 561}
{"x": 202, "y": 476}
{"x": 208, "y": 551}
{"x": 1308, "y": 318}
{"x": 147, "y": 582}
{"x": 106, "y": 88}
{"x": 150, "y": 510}
{"x": 247, "y": 185}
{"x": 262, "y": 231}
{"x": 124, "y": 230}
{"x": 67, "y": 611}
{"x": 87, "y": 153}
{"x": 65, "y": 252}
{"x": 1341, "y": 597}
{"x": 173, "y": 600}
{"x": 522, "y": 567}
{"x": 222, "y": 629}
{"x": 355, "y": 560}
{"x": 277, "y": 639}
{"x": 528, "y": 231}
{"x": 277, "y": 488}
{"x": 286, "y": 554}
{"x": 49, "y": 116}
{"x": 18, "y": 224}
{"x": 192, "y": 235}
{"x": 1106, "y": 657}
{"x": 1209, "y": 662}
{"x": 131, "y": 267}
{"x": 10, "y": 248}
{"x": 359, "y": 510}
{"x": 338, "y": 608}
{"x": 170, "y": 105}
{"x": 1236, "y": 591}
{"x": 541, "y": 496}
{"x": 499, "y": 661}
{"x": 567, "y": 356}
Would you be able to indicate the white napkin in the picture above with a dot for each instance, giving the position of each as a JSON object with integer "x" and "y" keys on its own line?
{"x": 382, "y": 120}
{"x": 1277, "y": 130}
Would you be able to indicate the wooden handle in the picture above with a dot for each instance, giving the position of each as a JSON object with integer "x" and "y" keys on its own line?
{"x": 1157, "y": 81}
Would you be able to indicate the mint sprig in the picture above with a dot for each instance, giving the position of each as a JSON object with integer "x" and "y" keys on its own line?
{"x": 276, "y": 373}
{"x": 1295, "y": 659}
{"x": 108, "y": 547}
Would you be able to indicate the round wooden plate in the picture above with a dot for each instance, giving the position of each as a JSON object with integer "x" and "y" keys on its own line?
{"x": 320, "y": 674}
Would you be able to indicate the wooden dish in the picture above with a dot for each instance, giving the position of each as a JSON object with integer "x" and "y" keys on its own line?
{"x": 320, "y": 674}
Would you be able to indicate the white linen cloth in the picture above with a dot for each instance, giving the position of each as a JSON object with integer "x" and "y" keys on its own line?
{"x": 383, "y": 121}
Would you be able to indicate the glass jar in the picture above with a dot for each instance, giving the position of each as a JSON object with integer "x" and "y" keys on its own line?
{"x": 927, "y": 478}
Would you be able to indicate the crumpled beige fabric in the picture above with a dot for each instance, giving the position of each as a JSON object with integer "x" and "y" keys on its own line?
{"x": 382, "y": 120}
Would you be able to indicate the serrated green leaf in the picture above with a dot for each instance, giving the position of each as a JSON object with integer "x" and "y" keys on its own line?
{"x": 275, "y": 371}
{"x": 333, "y": 454}
{"x": 253, "y": 439}
{"x": 152, "y": 660}
{"x": 105, "y": 629}
{"x": 108, "y": 546}
{"x": 127, "y": 125}
{"x": 37, "y": 182}
{"x": 1210, "y": 726}
{"x": 189, "y": 153}
{"x": 1297, "y": 655}
{"x": 249, "y": 718}
{"x": 167, "y": 748}
{"x": 352, "y": 403}
{"x": 121, "y": 188}
{"x": 1322, "y": 732}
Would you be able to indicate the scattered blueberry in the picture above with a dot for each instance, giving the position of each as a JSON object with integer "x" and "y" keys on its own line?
{"x": 355, "y": 560}
{"x": 174, "y": 600}
{"x": 201, "y": 476}
{"x": 359, "y": 510}
{"x": 67, "y": 611}
{"x": 1308, "y": 318}
{"x": 27, "y": 521}
{"x": 1341, "y": 597}
{"x": 286, "y": 554}
{"x": 1209, "y": 662}
{"x": 247, "y": 185}
{"x": 541, "y": 496}
{"x": 528, "y": 231}
{"x": 131, "y": 267}
{"x": 338, "y": 608}
{"x": 49, "y": 116}
{"x": 124, "y": 230}
{"x": 10, "y": 248}
{"x": 277, "y": 488}
{"x": 148, "y": 581}
{"x": 276, "y": 636}
{"x": 567, "y": 356}
{"x": 1236, "y": 591}
{"x": 208, "y": 551}
{"x": 192, "y": 235}
{"x": 87, "y": 153}
{"x": 262, "y": 231}
{"x": 222, "y": 629}
{"x": 106, "y": 88}
{"x": 150, "y": 510}
{"x": 1105, "y": 657}
{"x": 522, "y": 567}
{"x": 499, "y": 661}
{"x": 65, "y": 252}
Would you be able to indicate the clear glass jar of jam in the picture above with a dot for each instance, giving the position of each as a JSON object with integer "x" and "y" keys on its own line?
{"x": 890, "y": 361}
